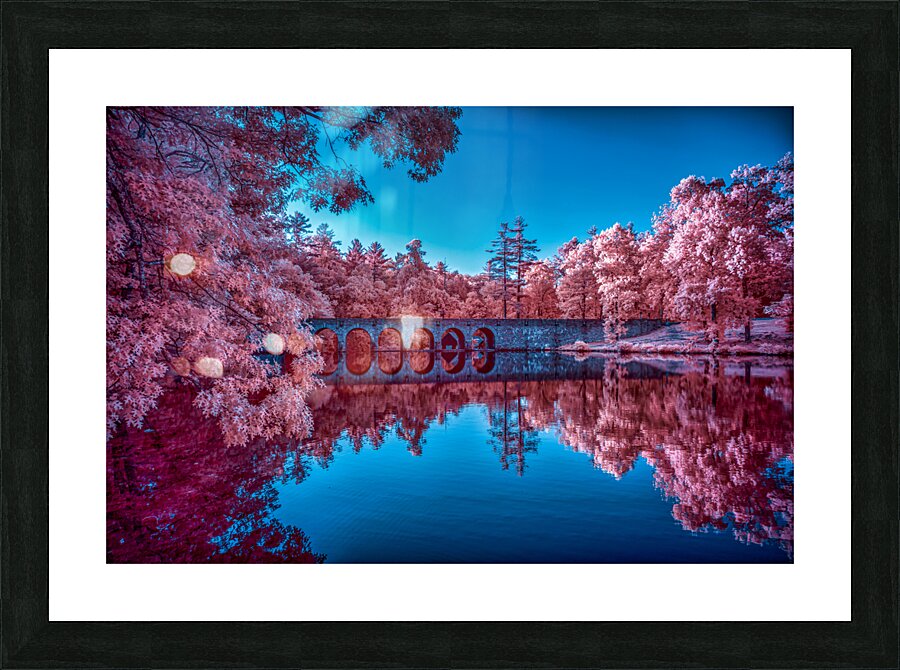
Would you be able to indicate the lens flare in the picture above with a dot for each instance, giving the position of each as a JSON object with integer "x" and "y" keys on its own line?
{"x": 408, "y": 326}
{"x": 209, "y": 366}
{"x": 274, "y": 344}
{"x": 182, "y": 264}
{"x": 181, "y": 366}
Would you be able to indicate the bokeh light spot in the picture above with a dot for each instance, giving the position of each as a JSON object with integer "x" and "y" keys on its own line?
{"x": 209, "y": 366}
{"x": 274, "y": 344}
{"x": 182, "y": 264}
{"x": 181, "y": 366}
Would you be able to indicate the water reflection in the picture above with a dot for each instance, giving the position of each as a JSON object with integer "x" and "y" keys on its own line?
{"x": 421, "y": 362}
{"x": 483, "y": 361}
{"x": 718, "y": 437}
{"x": 389, "y": 362}
{"x": 177, "y": 494}
{"x": 453, "y": 361}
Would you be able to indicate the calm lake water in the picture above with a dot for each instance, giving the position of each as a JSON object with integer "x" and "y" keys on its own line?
{"x": 522, "y": 458}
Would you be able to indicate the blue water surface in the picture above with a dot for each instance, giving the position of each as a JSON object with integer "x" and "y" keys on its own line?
{"x": 451, "y": 494}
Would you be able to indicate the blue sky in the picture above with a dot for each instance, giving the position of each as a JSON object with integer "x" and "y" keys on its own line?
{"x": 563, "y": 169}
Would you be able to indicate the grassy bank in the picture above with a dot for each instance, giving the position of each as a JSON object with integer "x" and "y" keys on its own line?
{"x": 768, "y": 337}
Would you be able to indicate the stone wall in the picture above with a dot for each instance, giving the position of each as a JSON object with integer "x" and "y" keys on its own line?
{"x": 507, "y": 334}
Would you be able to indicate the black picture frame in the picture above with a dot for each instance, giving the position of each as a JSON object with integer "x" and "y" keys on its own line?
{"x": 30, "y": 29}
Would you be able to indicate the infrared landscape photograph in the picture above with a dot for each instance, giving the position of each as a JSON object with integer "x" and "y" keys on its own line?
{"x": 449, "y": 334}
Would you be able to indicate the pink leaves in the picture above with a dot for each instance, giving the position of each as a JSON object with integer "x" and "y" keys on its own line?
{"x": 619, "y": 277}
{"x": 540, "y": 296}
{"x": 578, "y": 291}
{"x": 421, "y": 136}
{"x": 725, "y": 253}
{"x": 210, "y": 185}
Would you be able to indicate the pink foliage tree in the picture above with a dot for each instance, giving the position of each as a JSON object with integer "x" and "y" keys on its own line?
{"x": 482, "y": 298}
{"x": 322, "y": 261}
{"x": 539, "y": 295}
{"x": 618, "y": 272}
{"x": 658, "y": 283}
{"x": 730, "y": 246}
{"x": 579, "y": 297}
{"x": 202, "y": 257}
{"x": 418, "y": 294}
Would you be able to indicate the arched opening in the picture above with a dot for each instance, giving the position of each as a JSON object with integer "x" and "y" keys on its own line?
{"x": 453, "y": 340}
{"x": 453, "y": 345}
{"x": 422, "y": 340}
{"x": 328, "y": 347}
{"x": 390, "y": 340}
{"x": 483, "y": 340}
{"x": 358, "y": 351}
{"x": 421, "y": 361}
{"x": 453, "y": 361}
{"x": 326, "y": 341}
{"x": 390, "y": 362}
{"x": 483, "y": 360}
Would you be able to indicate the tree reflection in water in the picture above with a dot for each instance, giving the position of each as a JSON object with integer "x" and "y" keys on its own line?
{"x": 511, "y": 436}
{"x": 177, "y": 494}
{"x": 718, "y": 437}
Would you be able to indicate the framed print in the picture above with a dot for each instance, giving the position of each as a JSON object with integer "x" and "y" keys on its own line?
{"x": 417, "y": 338}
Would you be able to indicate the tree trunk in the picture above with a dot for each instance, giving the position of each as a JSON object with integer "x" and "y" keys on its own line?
{"x": 519, "y": 284}
{"x": 744, "y": 292}
{"x": 505, "y": 275}
{"x": 520, "y": 438}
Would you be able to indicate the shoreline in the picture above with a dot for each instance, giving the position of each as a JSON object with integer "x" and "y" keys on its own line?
{"x": 596, "y": 348}
{"x": 769, "y": 338}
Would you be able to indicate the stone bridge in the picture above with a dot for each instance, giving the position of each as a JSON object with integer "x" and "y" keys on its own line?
{"x": 428, "y": 334}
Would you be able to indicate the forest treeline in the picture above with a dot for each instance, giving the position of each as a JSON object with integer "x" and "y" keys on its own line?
{"x": 717, "y": 255}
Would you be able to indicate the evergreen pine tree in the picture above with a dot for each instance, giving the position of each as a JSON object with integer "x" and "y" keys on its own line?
{"x": 522, "y": 253}
{"x": 499, "y": 264}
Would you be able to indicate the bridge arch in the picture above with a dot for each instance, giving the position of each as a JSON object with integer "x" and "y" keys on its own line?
{"x": 422, "y": 340}
{"x": 328, "y": 345}
{"x": 390, "y": 339}
{"x": 326, "y": 340}
{"x": 453, "y": 340}
{"x": 358, "y": 351}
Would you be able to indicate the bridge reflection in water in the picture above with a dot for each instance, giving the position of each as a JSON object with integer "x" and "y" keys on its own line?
{"x": 430, "y": 367}
{"x": 707, "y": 444}
{"x": 404, "y": 367}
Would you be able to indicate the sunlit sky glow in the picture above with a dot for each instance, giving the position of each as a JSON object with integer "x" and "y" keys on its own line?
{"x": 563, "y": 169}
